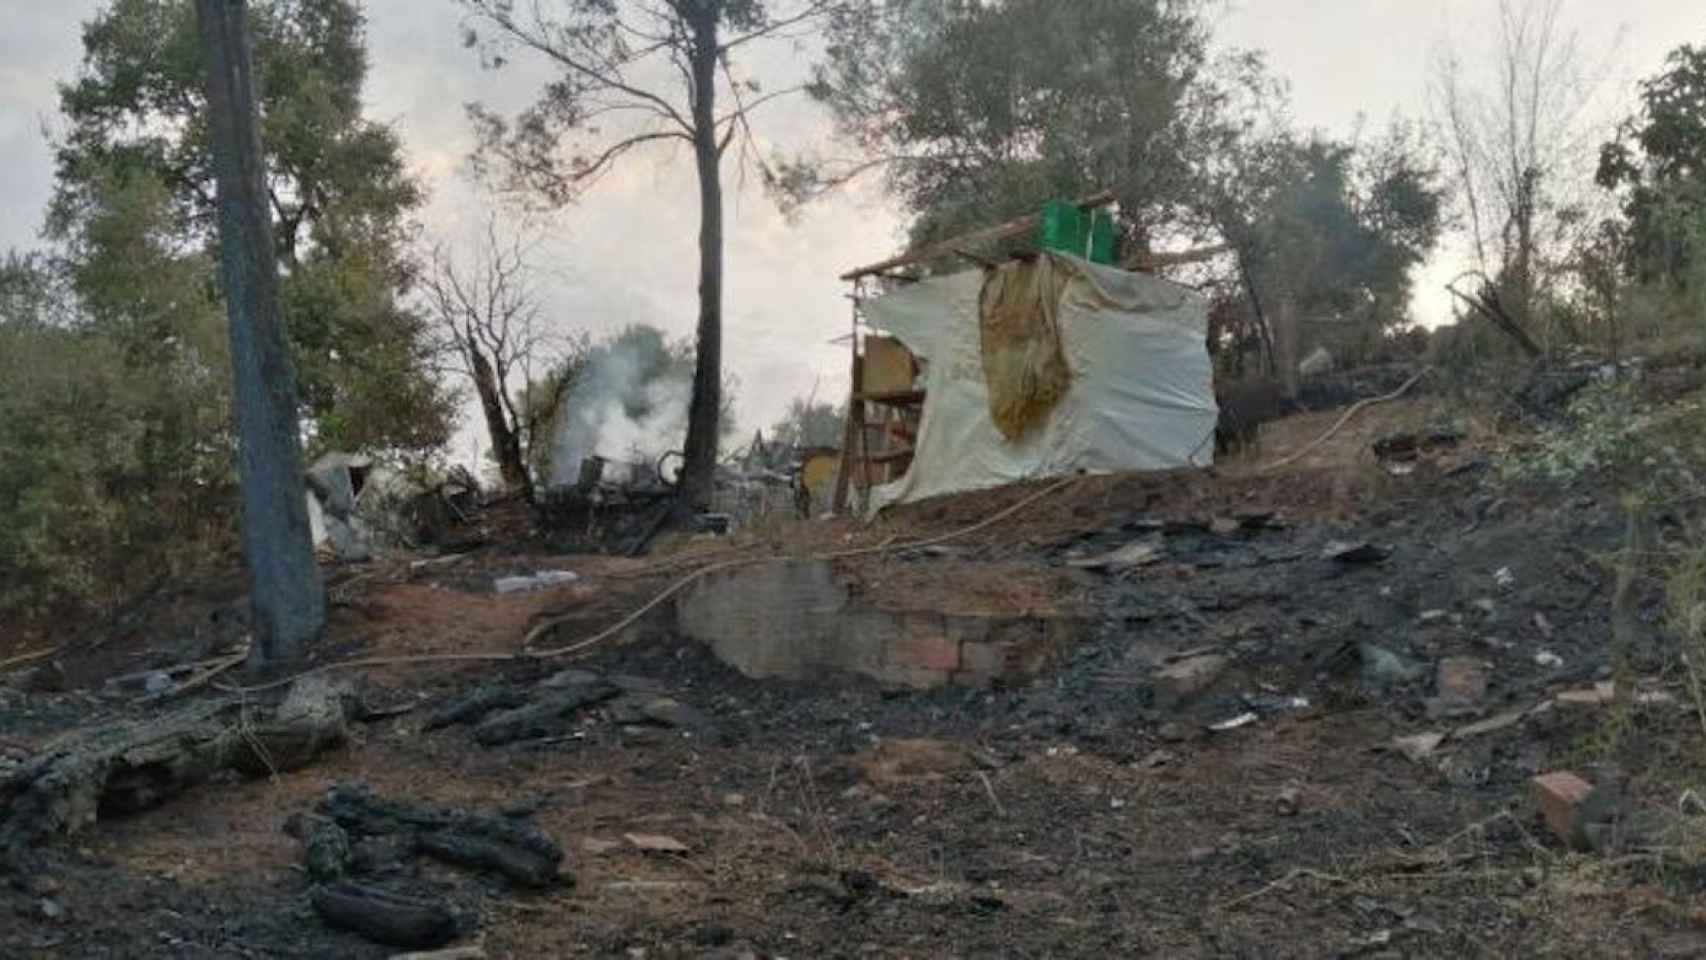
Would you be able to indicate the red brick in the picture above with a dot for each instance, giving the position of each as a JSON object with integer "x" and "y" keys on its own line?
{"x": 981, "y": 664}
{"x": 924, "y": 643}
{"x": 1561, "y": 795}
{"x": 913, "y": 678}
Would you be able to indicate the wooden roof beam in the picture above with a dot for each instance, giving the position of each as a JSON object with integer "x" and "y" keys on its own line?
{"x": 954, "y": 245}
{"x": 1148, "y": 262}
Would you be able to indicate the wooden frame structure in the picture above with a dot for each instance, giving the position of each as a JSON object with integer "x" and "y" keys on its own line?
{"x": 891, "y": 413}
{"x": 881, "y": 426}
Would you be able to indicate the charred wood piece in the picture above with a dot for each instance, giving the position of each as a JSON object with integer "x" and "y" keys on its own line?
{"x": 517, "y": 850}
{"x": 550, "y": 715}
{"x": 384, "y": 917}
{"x": 133, "y": 765}
{"x": 476, "y": 705}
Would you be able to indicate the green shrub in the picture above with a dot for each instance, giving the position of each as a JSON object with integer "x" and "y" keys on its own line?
{"x": 109, "y": 471}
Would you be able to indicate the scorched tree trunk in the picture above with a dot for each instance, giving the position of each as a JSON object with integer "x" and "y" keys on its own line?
{"x": 285, "y": 589}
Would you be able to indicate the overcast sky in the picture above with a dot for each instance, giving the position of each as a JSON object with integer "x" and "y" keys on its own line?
{"x": 627, "y": 253}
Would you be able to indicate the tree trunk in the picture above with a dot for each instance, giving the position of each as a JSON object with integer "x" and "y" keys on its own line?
{"x": 285, "y": 590}
{"x": 699, "y": 470}
{"x": 506, "y": 442}
{"x": 1286, "y": 347}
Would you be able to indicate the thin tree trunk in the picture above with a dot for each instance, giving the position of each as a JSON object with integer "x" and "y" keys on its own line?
{"x": 1264, "y": 331}
{"x": 699, "y": 470}
{"x": 288, "y": 598}
{"x": 506, "y": 443}
{"x": 1286, "y": 348}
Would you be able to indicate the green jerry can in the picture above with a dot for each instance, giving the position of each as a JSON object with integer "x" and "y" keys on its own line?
{"x": 1062, "y": 227}
{"x": 1068, "y": 229}
{"x": 1101, "y": 237}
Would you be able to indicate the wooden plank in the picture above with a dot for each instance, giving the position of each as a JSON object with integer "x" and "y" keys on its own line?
{"x": 895, "y": 398}
{"x": 954, "y": 245}
{"x": 852, "y": 424}
{"x": 1150, "y": 262}
{"x": 890, "y": 456}
{"x": 889, "y": 366}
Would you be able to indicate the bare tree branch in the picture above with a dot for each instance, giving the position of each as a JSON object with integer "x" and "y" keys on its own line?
{"x": 617, "y": 149}
{"x": 538, "y": 40}
{"x": 813, "y": 10}
{"x": 489, "y": 321}
{"x": 746, "y": 109}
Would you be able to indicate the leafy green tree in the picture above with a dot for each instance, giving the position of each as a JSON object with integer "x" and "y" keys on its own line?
{"x": 32, "y": 291}
{"x": 1658, "y": 161}
{"x": 1335, "y": 227}
{"x": 123, "y": 457}
{"x": 134, "y": 208}
{"x": 978, "y": 112}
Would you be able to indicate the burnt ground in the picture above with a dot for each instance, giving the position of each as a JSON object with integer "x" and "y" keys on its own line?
{"x": 1076, "y": 815}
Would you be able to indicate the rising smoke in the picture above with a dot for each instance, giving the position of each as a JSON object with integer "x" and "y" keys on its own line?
{"x": 628, "y": 405}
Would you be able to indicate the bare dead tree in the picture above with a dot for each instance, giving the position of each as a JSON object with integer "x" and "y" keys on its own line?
{"x": 1486, "y": 301}
{"x": 1520, "y": 139}
{"x": 492, "y": 331}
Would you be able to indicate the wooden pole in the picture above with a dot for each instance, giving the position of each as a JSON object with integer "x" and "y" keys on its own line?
{"x": 852, "y": 423}
{"x": 286, "y": 593}
{"x": 954, "y": 246}
{"x": 1286, "y": 346}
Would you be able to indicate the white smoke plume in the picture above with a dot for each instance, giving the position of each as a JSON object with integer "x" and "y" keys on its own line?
{"x": 628, "y": 405}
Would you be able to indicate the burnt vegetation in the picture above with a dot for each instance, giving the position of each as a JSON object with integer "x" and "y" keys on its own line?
{"x": 360, "y": 596}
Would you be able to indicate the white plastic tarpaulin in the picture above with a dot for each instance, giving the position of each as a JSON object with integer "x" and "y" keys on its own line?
{"x": 1142, "y": 393}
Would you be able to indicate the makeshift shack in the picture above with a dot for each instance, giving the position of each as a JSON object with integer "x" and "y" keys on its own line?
{"x": 1039, "y": 366}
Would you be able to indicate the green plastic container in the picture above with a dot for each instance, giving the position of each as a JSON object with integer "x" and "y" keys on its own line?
{"x": 1062, "y": 227}
{"x": 1068, "y": 229}
{"x": 1101, "y": 237}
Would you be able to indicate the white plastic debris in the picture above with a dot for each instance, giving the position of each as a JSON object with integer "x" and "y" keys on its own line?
{"x": 1547, "y": 658}
{"x": 1274, "y": 703}
{"x": 1420, "y": 746}
{"x": 1139, "y": 554}
{"x": 538, "y": 581}
{"x": 1242, "y": 720}
{"x": 1504, "y": 577}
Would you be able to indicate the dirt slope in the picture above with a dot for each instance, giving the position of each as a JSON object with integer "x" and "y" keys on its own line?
{"x": 1087, "y": 814}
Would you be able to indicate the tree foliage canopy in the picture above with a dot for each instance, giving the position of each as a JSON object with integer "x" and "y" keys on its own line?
{"x": 115, "y": 366}
{"x": 134, "y": 207}
{"x": 979, "y": 112}
{"x": 1659, "y": 162}
{"x": 1337, "y": 225}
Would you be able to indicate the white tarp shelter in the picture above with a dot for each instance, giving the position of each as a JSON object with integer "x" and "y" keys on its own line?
{"x": 1141, "y": 397}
